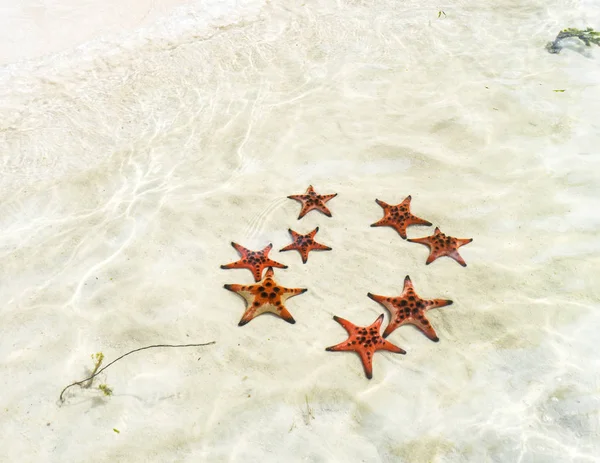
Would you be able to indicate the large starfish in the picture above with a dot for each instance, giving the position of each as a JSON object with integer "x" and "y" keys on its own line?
{"x": 398, "y": 217}
{"x": 443, "y": 245}
{"x": 365, "y": 341}
{"x": 311, "y": 200}
{"x": 266, "y": 296}
{"x": 255, "y": 261}
{"x": 408, "y": 308}
{"x": 304, "y": 244}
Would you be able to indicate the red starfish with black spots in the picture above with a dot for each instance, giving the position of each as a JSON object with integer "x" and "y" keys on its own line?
{"x": 311, "y": 200}
{"x": 304, "y": 244}
{"x": 365, "y": 341}
{"x": 255, "y": 261}
{"x": 266, "y": 296}
{"x": 398, "y": 217}
{"x": 408, "y": 308}
{"x": 443, "y": 245}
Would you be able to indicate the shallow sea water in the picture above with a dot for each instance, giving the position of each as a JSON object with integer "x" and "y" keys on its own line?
{"x": 130, "y": 162}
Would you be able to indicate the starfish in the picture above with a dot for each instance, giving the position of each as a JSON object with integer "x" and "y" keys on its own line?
{"x": 398, "y": 217}
{"x": 304, "y": 244}
{"x": 443, "y": 245}
{"x": 365, "y": 341}
{"x": 311, "y": 200}
{"x": 408, "y": 308}
{"x": 255, "y": 261}
{"x": 266, "y": 296}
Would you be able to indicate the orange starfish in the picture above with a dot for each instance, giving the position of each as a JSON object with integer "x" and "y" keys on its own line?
{"x": 311, "y": 200}
{"x": 398, "y": 217}
{"x": 365, "y": 341}
{"x": 443, "y": 245}
{"x": 304, "y": 244}
{"x": 408, "y": 308}
{"x": 255, "y": 261}
{"x": 266, "y": 296}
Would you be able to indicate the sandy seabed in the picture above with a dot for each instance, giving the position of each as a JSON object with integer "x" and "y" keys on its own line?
{"x": 137, "y": 144}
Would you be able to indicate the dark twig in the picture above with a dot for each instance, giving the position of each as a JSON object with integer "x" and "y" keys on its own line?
{"x": 96, "y": 373}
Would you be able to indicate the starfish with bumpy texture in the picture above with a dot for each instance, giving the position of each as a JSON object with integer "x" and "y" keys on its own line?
{"x": 266, "y": 296}
{"x": 443, "y": 245}
{"x": 255, "y": 261}
{"x": 304, "y": 244}
{"x": 311, "y": 200}
{"x": 408, "y": 308}
{"x": 398, "y": 217}
{"x": 365, "y": 341}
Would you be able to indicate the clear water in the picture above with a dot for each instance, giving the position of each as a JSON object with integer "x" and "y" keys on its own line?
{"x": 134, "y": 154}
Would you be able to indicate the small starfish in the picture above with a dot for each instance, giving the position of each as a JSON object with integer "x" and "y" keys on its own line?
{"x": 398, "y": 217}
{"x": 311, "y": 200}
{"x": 266, "y": 296}
{"x": 408, "y": 308}
{"x": 255, "y": 261}
{"x": 304, "y": 244}
{"x": 443, "y": 245}
{"x": 365, "y": 341}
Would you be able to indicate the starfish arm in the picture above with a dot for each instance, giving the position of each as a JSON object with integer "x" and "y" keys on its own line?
{"x": 462, "y": 241}
{"x": 294, "y": 234}
{"x": 305, "y": 210}
{"x": 312, "y": 234}
{"x": 367, "y": 361}
{"x": 230, "y": 266}
{"x": 269, "y": 273}
{"x": 458, "y": 258}
{"x": 248, "y": 316}
{"x": 345, "y": 323}
{"x": 291, "y": 292}
{"x": 304, "y": 255}
{"x": 289, "y": 247}
{"x": 400, "y": 229}
{"x": 297, "y": 197}
{"x": 383, "y": 222}
{"x": 407, "y": 283}
{"x": 426, "y": 328}
{"x": 341, "y": 347}
{"x": 437, "y": 303}
{"x": 414, "y": 220}
{"x": 392, "y": 325}
{"x": 239, "y": 248}
{"x": 376, "y": 297}
{"x": 286, "y": 315}
{"x": 432, "y": 256}
{"x": 326, "y": 198}
{"x": 324, "y": 209}
{"x": 382, "y": 204}
{"x": 257, "y": 272}
{"x": 319, "y": 247}
{"x": 234, "y": 288}
{"x": 272, "y": 263}
{"x": 391, "y": 348}
{"x": 377, "y": 323}
{"x": 425, "y": 240}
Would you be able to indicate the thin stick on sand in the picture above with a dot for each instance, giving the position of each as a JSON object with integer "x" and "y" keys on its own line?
{"x": 96, "y": 373}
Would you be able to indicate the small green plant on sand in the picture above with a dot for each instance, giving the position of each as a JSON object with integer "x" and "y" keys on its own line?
{"x": 97, "y": 358}
{"x": 107, "y": 390}
{"x": 588, "y": 36}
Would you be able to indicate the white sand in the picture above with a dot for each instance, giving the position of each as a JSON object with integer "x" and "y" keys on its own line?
{"x": 130, "y": 163}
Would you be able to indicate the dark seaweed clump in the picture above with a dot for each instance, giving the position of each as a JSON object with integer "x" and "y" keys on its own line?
{"x": 587, "y": 36}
